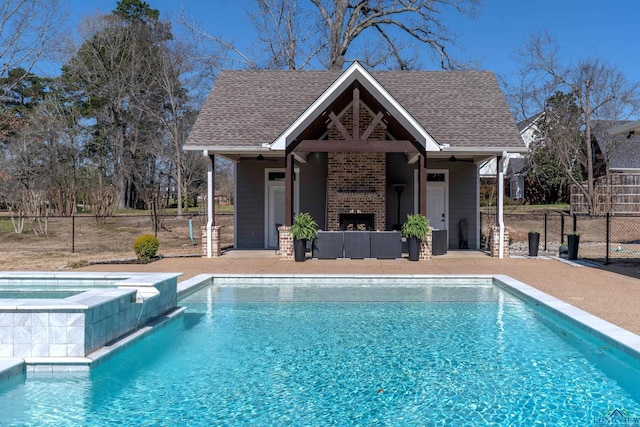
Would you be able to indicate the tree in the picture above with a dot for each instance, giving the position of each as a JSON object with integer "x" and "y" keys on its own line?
{"x": 547, "y": 181}
{"x": 42, "y": 155}
{"x": 29, "y": 32}
{"x": 284, "y": 41}
{"x": 556, "y": 157}
{"x": 22, "y": 91}
{"x": 168, "y": 62}
{"x": 572, "y": 96}
{"x": 396, "y": 29}
{"x": 136, "y": 10}
{"x": 114, "y": 71}
{"x": 393, "y": 22}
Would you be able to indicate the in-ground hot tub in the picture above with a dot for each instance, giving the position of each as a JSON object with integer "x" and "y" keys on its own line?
{"x": 79, "y": 314}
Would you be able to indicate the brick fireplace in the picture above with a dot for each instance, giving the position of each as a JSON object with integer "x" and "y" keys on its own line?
{"x": 356, "y": 182}
{"x": 356, "y": 185}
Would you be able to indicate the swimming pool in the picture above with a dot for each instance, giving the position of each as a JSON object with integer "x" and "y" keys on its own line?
{"x": 343, "y": 355}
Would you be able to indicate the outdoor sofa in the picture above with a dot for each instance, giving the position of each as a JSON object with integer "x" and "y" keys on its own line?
{"x": 357, "y": 244}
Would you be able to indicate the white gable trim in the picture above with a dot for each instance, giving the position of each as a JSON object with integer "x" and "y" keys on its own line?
{"x": 351, "y": 74}
{"x": 626, "y": 129}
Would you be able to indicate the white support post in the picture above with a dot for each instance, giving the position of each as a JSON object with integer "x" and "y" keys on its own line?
{"x": 210, "y": 204}
{"x": 500, "y": 201}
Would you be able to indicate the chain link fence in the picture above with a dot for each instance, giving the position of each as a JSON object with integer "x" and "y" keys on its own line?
{"x": 88, "y": 234}
{"x": 604, "y": 239}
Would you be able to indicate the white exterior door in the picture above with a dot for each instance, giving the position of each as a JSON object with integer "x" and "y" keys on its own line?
{"x": 436, "y": 210}
{"x": 437, "y": 198}
{"x": 274, "y": 204}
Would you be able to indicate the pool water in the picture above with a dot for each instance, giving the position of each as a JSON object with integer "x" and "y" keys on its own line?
{"x": 429, "y": 355}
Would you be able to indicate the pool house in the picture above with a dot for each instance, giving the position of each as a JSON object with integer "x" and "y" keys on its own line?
{"x": 358, "y": 150}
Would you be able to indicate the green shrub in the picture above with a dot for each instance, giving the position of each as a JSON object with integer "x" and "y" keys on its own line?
{"x": 146, "y": 246}
{"x": 304, "y": 227}
{"x": 416, "y": 225}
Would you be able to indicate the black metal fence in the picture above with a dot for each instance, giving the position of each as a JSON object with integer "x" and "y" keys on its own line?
{"x": 603, "y": 239}
{"x": 88, "y": 234}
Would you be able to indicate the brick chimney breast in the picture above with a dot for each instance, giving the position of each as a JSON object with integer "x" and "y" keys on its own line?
{"x": 356, "y": 182}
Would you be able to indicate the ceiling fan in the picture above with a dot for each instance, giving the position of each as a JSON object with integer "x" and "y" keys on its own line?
{"x": 454, "y": 159}
{"x": 262, "y": 158}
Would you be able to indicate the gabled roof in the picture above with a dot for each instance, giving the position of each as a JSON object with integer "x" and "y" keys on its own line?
{"x": 626, "y": 128}
{"x": 516, "y": 166}
{"x": 528, "y": 123}
{"x": 622, "y": 153}
{"x": 356, "y": 73}
{"x": 247, "y": 109}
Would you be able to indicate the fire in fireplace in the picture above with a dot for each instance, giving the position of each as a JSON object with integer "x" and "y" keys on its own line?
{"x": 356, "y": 221}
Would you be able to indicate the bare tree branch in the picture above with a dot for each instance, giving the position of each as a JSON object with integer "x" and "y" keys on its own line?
{"x": 29, "y": 32}
{"x": 417, "y": 20}
{"x": 281, "y": 32}
{"x": 224, "y": 51}
{"x": 292, "y": 33}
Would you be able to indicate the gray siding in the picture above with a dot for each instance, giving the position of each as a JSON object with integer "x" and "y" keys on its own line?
{"x": 250, "y": 203}
{"x": 313, "y": 188}
{"x": 463, "y": 179}
{"x": 250, "y": 197}
{"x": 463, "y": 185}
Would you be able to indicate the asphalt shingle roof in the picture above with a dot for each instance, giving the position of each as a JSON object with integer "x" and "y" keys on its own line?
{"x": 460, "y": 108}
{"x": 516, "y": 166}
{"x": 622, "y": 152}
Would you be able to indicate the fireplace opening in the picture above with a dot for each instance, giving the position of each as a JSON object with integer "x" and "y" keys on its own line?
{"x": 356, "y": 222}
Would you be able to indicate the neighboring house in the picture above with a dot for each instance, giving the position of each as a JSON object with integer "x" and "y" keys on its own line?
{"x": 515, "y": 173}
{"x": 620, "y": 153}
{"x": 515, "y": 162}
{"x": 616, "y": 147}
{"x": 355, "y": 145}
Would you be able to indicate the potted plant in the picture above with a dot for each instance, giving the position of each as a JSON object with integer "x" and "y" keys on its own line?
{"x": 534, "y": 242}
{"x": 303, "y": 228}
{"x": 573, "y": 241}
{"x": 415, "y": 229}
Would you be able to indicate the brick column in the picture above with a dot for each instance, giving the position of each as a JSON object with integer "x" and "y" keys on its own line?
{"x": 494, "y": 242}
{"x": 215, "y": 241}
{"x": 285, "y": 242}
{"x": 425, "y": 246}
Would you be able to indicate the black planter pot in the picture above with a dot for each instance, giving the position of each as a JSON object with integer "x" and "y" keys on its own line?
{"x": 573, "y": 241}
{"x": 413, "y": 246}
{"x": 299, "y": 250}
{"x": 534, "y": 241}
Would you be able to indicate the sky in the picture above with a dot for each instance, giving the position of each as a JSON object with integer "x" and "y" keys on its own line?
{"x": 584, "y": 29}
